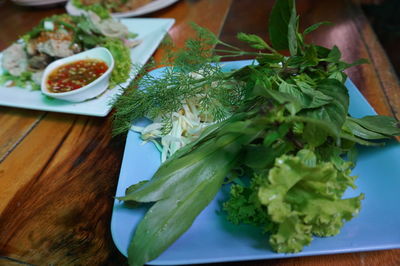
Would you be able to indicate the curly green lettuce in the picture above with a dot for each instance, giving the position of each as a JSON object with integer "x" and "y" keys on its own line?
{"x": 297, "y": 198}
{"x": 122, "y": 59}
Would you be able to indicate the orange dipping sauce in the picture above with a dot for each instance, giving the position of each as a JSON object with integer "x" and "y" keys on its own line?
{"x": 75, "y": 75}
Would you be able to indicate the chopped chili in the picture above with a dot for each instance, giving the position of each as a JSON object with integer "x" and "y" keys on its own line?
{"x": 75, "y": 75}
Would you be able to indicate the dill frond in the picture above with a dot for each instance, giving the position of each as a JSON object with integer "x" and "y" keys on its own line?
{"x": 195, "y": 73}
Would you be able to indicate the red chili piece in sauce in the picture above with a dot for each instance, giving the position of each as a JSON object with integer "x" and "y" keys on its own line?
{"x": 75, "y": 75}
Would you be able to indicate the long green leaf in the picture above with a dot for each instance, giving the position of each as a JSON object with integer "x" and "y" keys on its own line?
{"x": 360, "y": 131}
{"x": 355, "y": 139}
{"x": 181, "y": 196}
{"x": 278, "y": 24}
{"x": 385, "y": 125}
{"x": 169, "y": 218}
{"x": 179, "y": 175}
{"x": 292, "y": 31}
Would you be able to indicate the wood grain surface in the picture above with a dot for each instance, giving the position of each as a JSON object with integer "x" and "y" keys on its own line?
{"x": 60, "y": 180}
{"x": 15, "y": 21}
{"x": 58, "y": 172}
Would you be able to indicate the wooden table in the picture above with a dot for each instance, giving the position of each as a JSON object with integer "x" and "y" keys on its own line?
{"x": 58, "y": 172}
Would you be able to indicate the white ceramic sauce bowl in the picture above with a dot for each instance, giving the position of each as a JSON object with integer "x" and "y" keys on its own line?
{"x": 89, "y": 91}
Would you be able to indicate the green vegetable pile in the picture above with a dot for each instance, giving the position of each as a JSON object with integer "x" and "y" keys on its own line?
{"x": 286, "y": 146}
{"x": 100, "y": 10}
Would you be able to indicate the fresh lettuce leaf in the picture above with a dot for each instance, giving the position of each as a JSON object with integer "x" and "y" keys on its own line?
{"x": 122, "y": 59}
{"x": 304, "y": 198}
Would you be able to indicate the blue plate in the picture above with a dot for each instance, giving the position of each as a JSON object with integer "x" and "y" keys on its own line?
{"x": 212, "y": 239}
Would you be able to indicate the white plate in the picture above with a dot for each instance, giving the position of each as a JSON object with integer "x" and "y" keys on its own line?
{"x": 37, "y": 2}
{"x": 150, "y": 7}
{"x": 150, "y": 31}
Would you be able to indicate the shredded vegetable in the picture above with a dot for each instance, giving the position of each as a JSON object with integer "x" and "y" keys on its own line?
{"x": 187, "y": 125}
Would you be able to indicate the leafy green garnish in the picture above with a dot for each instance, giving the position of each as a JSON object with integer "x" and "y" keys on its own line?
{"x": 153, "y": 234}
{"x": 60, "y": 19}
{"x": 304, "y": 198}
{"x": 100, "y": 10}
{"x": 280, "y": 23}
{"x": 288, "y": 131}
{"x": 192, "y": 75}
{"x": 24, "y": 80}
{"x": 332, "y": 113}
{"x": 315, "y": 27}
{"x": 122, "y": 59}
{"x": 379, "y": 124}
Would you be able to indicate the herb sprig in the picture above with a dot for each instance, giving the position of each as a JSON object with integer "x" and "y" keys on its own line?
{"x": 193, "y": 73}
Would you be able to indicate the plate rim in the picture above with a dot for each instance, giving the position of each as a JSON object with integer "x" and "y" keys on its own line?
{"x": 143, "y": 10}
{"x": 38, "y": 3}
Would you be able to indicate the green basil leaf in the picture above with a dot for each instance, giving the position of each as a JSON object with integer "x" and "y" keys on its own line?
{"x": 295, "y": 61}
{"x": 316, "y": 26}
{"x": 292, "y": 104}
{"x": 311, "y": 56}
{"x": 317, "y": 97}
{"x": 334, "y": 112}
{"x": 342, "y": 65}
{"x": 338, "y": 75}
{"x": 278, "y": 24}
{"x": 296, "y": 93}
{"x": 314, "y": 135}
{"x": 322, "y": 51}
{"x": 334, "y": 55}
